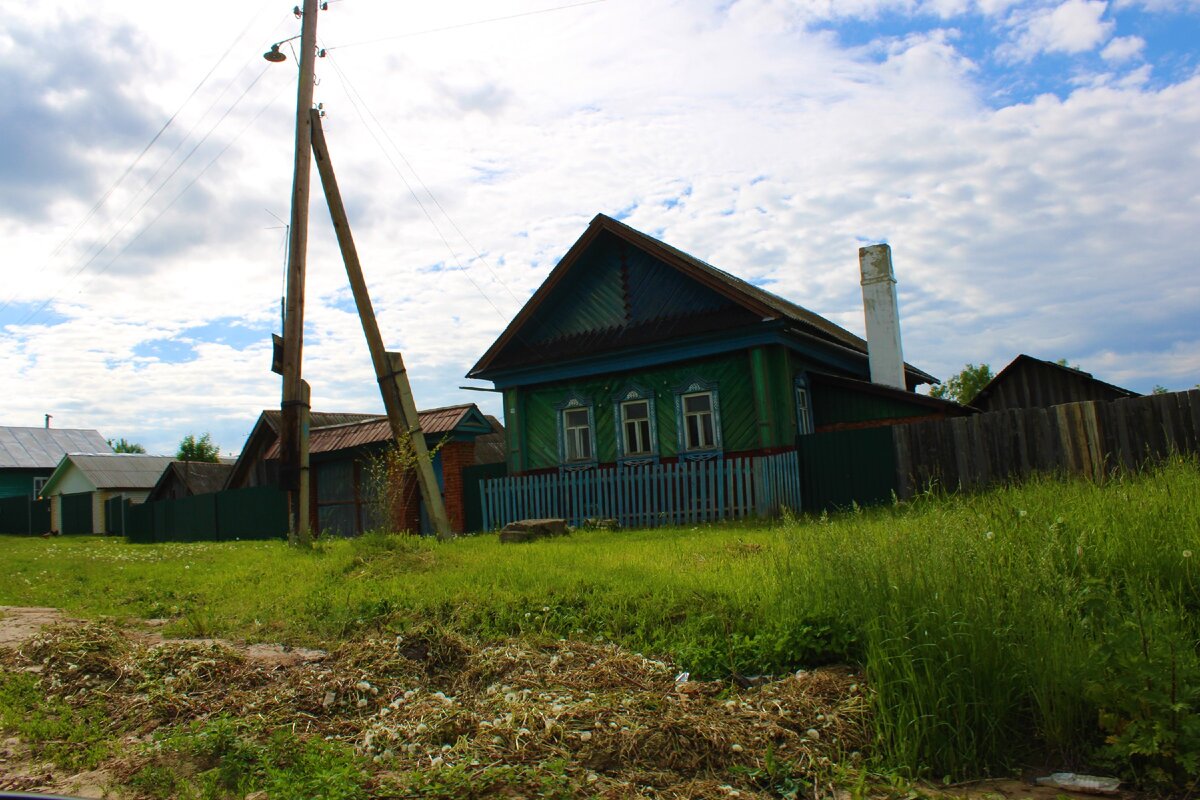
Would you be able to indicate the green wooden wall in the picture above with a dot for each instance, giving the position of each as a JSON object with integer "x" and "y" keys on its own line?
{"x": 534, "y": 436}
{"x": 834, "y": 404}
{"x": 19, "y": 482}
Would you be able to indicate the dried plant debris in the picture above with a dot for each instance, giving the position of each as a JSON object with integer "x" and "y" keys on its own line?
{"x": 428, "y": 708}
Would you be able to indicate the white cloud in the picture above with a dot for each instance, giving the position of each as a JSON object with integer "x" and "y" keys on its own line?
{"x": 1074, "y": 26}
{"x": 1123, "y": 48}
{"x": 1045, "y": 227}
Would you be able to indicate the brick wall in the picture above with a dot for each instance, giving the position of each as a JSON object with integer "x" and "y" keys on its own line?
{"x": 455, "y": 457}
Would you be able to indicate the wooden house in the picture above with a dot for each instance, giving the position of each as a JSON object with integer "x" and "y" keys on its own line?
{"x": 83, "y": 482}
{"x": 344, "y": 451}
{"x": 1029, "y": 382}
{"x": 633, "y": 352}
{"x": 28, "y": 456}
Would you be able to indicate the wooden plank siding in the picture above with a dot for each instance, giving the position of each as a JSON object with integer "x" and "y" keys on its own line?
{"x": 1090, "y": 439}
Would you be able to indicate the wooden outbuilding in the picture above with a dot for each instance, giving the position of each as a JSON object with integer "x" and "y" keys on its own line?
{"x": 83, "y": 482}
{"x": 345, "y": 452}
{"x": 1029, "y": 382}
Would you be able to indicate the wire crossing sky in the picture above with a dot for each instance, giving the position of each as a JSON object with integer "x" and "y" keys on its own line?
{"x": 1033, "y": 164}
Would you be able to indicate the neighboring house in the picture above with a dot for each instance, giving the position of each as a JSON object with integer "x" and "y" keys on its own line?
{"x": 83, "y": 482}
{"x": 1029, "y": 382}
{"x": 188, "y": 478}
{"x": 633, "y": 352}
{"x": 344, "y": 458}
{"x": 28, "y": 456}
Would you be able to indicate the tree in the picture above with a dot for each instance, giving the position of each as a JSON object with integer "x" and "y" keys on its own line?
{"x": 202, "y": 449}
{"x": 124, "y": 446}
{"x": 1159, "y": 389}
{"x": 964, "y": 386}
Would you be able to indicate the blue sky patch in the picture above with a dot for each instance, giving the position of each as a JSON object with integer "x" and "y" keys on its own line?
{"x": 172, "y": 351}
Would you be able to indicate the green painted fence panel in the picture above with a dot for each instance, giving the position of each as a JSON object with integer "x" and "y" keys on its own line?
{"x": 76, "y": 513}
{"x": 24, "y": 515}
{"x": 139, "y": 522}
{"x": 841, "y": 468}
{"x": 259, "y": 512}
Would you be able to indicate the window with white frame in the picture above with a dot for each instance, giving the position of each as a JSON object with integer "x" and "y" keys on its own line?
{"x": 577, "y": 434}
{"x": 804, "y": 422}
{"x": 38, "y": 485}
{"x": 699, "y": 423}
{"x": 635, "y": 428}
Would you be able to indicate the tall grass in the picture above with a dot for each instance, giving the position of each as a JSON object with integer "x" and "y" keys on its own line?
{"x": 1053, "y": 620}
{"x": 1050, "y": 619}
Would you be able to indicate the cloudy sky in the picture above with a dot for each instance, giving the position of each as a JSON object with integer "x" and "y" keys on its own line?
{"x": 1035, "y": 165}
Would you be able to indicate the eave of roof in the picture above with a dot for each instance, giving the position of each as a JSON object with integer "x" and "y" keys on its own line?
{"x": 758, "y": 300}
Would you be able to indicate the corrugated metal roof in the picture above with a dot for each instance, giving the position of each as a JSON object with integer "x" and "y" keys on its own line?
{"x": 43, "y": 448}
{"x": 329, "y": 438}
{"x": 320, "y": 419}
{"x": 490, "y": 448}
{"x": 119, "y": 470}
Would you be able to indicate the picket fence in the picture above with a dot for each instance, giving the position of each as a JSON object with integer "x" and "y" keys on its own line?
{"x": 649, "y": 495}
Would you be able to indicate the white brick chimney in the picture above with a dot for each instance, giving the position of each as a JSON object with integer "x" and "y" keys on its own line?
{"x": 882, "y": 314}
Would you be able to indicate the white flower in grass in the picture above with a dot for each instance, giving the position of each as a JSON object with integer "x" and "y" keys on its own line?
{"x": 989, "y": 535}
{"x": 1187, "y": 553}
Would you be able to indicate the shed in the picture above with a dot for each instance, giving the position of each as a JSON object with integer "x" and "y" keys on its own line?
{"x": 83, "y": 482}
{"x": 1029, "y": 382}
{"x": 343, "y": 452}
{"x": 189, "y": 478}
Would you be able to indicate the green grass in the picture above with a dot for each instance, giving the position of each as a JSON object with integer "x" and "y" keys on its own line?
{"x": 1051, "y": 621}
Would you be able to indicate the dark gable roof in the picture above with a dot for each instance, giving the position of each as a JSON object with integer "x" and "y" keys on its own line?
{"x": 753, "y": 298}
{"x": 948, "y": 407}
{"x": 1023, "y": 360}
{"x": 199, "y": 477}
{"x": 44, "y": 448}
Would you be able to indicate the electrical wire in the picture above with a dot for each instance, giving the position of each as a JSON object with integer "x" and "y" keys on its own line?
{"x": 137, "y": 159}
{"x": 350, "y": 91}
{"x": 465, "y": 25}
{"x": 190, "y": 184}
{"x": 31, "y": 315}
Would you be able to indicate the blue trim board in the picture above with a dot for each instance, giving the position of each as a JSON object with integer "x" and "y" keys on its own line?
{"x": 674, "y": 352}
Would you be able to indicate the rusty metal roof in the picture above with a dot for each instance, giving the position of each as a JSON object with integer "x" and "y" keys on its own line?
{"x": 43, "y": 448}
{"x": 373, "y": 430}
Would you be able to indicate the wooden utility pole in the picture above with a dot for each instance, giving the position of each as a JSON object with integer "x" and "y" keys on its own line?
{"x": 389, "y": 367}
{"x": 294, "y": 406}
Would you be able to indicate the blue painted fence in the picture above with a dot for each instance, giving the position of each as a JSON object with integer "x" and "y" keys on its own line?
{"x": 650, "y": 495}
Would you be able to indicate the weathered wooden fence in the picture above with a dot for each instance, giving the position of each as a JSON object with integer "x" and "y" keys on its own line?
{"x": 1090, "y": 439}
{"x": 650, "y": 495}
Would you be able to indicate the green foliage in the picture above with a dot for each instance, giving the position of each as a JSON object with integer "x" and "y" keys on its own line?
{"x": 458, "y": 782}
{"x": 1052, "y": 620}
{"x": 233, "y": 759}
{"x": 1159, "y": 389}
{"x": 963, "y": 387}
{"x": 73, "y": 737}
{"x": 1148, "y": 694}
{"x": 202, "y": 449}
{"x": 124, "y": 446}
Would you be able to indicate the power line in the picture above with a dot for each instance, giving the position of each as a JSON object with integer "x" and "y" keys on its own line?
{"x": 465, "y": 25}
{"x": 137, "y": 159}
{"x": 33, "y": 314}
{"x": 348, "y": 87}
{"x": 190, "y": 184}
